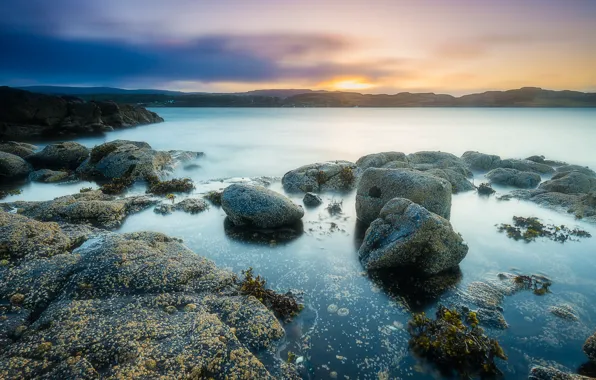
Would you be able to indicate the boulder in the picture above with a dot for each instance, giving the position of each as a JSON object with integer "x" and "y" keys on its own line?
{"x": 526, "y": 166}
{"x": 590, "y": 348}
{"x": 326, "y": 176}
{"x": 408, "y": 236}
{"x": 481, "y": 161}
{"x": 396, "y": 165}
{"x": 576, "y": 168}
{"x": 48, "y": 176}
{"x": 311, "y": 200}
{"x": 257, "y": 206}
{"x": 379, "y": 186}
{"x": 189, "y": 205}
{"x": 550, "y": 373}
{"x": 66, "y": 155}
{"x": 12, "y": 167}
{"x": 438, "y": 160}
{"x": 513, "y": 177}
{"x": 570, "y": 183}
{"x": 583, "y": 206}
{"x": 459, "y": 183}
{"x": 17, "y": 148}
{"x": 378, "y": 160}
{"x": 126, "y": 115}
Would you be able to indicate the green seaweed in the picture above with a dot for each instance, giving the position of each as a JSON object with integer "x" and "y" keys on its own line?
{"x": 4, "y": 194}
{"x": 346, "y": 174}
{"x": 485, "y": 189}
{"x": 176, "y": 185}
{"x": 528, "y": 229}
{"x": 214, "y": 197}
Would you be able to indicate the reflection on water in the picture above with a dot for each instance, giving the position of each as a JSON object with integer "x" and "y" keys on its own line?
{"x": 355, "y": 324}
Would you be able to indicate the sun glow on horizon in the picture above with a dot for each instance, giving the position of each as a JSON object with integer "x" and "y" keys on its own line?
{"x": 349, "y": 84}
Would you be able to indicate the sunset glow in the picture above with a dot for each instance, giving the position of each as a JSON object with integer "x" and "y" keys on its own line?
{"x": 351, "y": 84}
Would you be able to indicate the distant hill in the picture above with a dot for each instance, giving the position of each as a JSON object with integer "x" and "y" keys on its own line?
{"x": 523, "y": 97}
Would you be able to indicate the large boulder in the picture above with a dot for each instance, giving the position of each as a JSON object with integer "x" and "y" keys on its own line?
{"x": 459, "y": 183}
{"x": 12, "y": 167}
{"x": 481, "y": 161}
{"x": 570, "y": 183}
{"x": 66, "y": 155}
{"x": 378, "y": 186}
{"x": 326, "y": 176}
{"x": 378, "y": 160}
{"x": 526, "y": 166}
{"x": 257, "y": 206}
{"x": 576, "y": 168}
{"x": 590, "y": 347}
{"x": 408, "y": 236}
{"x": 513, "y": 177}
{"x": 428, "y": 160}
{"x": 18, "y": 148}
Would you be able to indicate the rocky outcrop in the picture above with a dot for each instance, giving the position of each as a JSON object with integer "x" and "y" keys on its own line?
{"x": 93, "y": 207}
{"x": 66, "y": 155}
{"x": 583, "y": 206}
{"x": 427, "y": 160}
{"x": 48, "y": 176}
{"x": 549, "y": 373}
{"x": 18, "y": 148}
{"x": 570, "y": 183}
{"x": 379, "y": 186}
{"x": 576, "y": 168}
{"x": 131, "y": 305}
{"x": 378, "y": 160}
{"x": 257, "y": 206}
{"x": 408, "y": 236}
{"x": 513, "y": 177}
{"x": 590, "y": 348}
{"x": 480, "y": 161}
{"x": 326, "y": 176}
{"x": 12, "y": 168}
{"x": 526, "y": 166}
{"x": 26, "y": 115}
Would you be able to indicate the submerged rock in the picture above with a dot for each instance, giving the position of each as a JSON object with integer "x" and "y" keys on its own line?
{"x": 13, "y": 167}
{"x": 60, "y": 156}
{"x": 259, "y": 207}
{"x": 590, "y": 347}
{"x": 570, "y": 183}
{"x": 378, "y": 186}
{"x": 48, "y": 176}
{"x": 378, "y": 160}
{"x": 564, "y": 312}
{"x": 549, "y": 373}
{"x": 513, "y": 177}
{"x": 325, "y": 176}
{"x": 18, "y": 148}
{"x": 312, "y": 200}
{"x": 406, "y": 235}
{"x": 481, "y": 161}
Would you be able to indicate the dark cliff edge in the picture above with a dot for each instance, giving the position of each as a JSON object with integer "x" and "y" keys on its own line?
{"x": 26, "y": 115}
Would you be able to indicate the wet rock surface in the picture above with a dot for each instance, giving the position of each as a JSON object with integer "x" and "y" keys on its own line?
{"x": 481, "y": 161}
{"x": 513, "y": 177}
{"x": 13, "y": 167}
{"x": 406, "y": 235}
{"x": 189, "y": 205}
{"x": 590, "y": 348}
{"x": 459, "y": 182}
{"x": 312, "y": 200}
{"x": 48, "y": 176}
{"x": 548, "y": 373}
{"x": 257, "y": 206}
{"x": 378, "y": 186}
{"x": 325, "y": 176}
{"x": 60, "y": 156}
{"x": 18, "y": 148}
{"x": 573, "y": 182}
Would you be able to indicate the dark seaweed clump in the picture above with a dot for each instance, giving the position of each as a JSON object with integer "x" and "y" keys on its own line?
{"x": 528, "y": 229}
{"x": 346, "y": 174}
{"x": 4, "y": 194}
{"x": 485, "y": 189}
{"x": 100, "y": 151}
{"x": 455, "y": 343}
{"x": 539, "y": 285}
{"x": 176, "y": 185}
{"x": 285, "y": 306}
{"x": 117, "y": 185}
{"x": 214, "y": 197}
{"x": 334, "y": 207}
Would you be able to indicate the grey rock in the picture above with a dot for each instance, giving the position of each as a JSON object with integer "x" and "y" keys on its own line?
{"x": 408, "y": 236}
{"x": 258, "y": 206}
{"x": 536, "y": 158}
{"x": 48, "y": 176}
{"x": 570, "y": 183}
{"x": 481, "y": 161}
{"x": 378, "y": 186}
{"x": 12, "y": 167}
{"x": 492, "y": 318}
{"x": 312, "y": 200}
{"x": 526, "y": 166}
{"x": 549, "y": 373}
{"x": 459, "y": 183}
{"x": 590, "y": 348}
{"x": 18, "y": 148}
{"x": 564, "y": 312}
{"x": 439, "y": 159}
{"x": 185, "y": 156}
{"x": 396, "y": 165}
{"x": 378, "y": 160}
{"x": 576, "y": 168}
{"x": 189, "y": 205}
{"x": 66, "y": 155}
{"x": 325, "y": 176}
{"x": 513, "y": 177}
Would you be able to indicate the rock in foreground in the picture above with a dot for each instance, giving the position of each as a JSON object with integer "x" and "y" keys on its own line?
{"x": 257, "y": 206}
{"x": 12, "y": 167}
{"x": 513, "y": 177}
{"x": 326, "y": 176}
{"x": 549, "y": 373}
{"x": 408, "y": 236}
{"x": 378, "y": 186}
{"x": 66, "y": 155}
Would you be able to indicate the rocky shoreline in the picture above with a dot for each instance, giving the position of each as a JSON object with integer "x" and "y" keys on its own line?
{"x": 77, "y": 300}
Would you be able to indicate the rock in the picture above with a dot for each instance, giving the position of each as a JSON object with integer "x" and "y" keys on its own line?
{"x": 590, "y": 348}
{"x": 549, "y": 373}
{"x": 438, "y": 160}
{"x": 538, "y": 159}
{"x": 189, "y": 205}
{"x": 513, "y": 177}
{"x": 378, "y": 186}
{"x": 326, "y": 176}
{"x": 66, "y": 155}
{"x": 576, "y": 168}
{"x": 408, "y": 236}
{"x": 311, "y": 200}
{"x": 570, "y": 183}
{"x": 526, "y": 166}
{"x": 492, "y": 318}
{"x": 48, "y": 176}
{"x": 12, "y": 167}
{"x": 396, "y": 165}
{"x": 17, "y": 148}
{"x": 258, "y": 206}
{"x": 564, "y": 312}
{"x": 378, "y": 160}
{"x": 481, "y": 161}
{"x": 27, "y": 115}
{"x": 92, "y": 207}
{"x": 583, "y": 206}
{"x": 185, "y": 156}
{"x": 118, "y": 158}
{"x": 459, "y": 183}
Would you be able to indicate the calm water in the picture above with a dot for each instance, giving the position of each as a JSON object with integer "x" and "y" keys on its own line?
{"x": 371, "y": 341}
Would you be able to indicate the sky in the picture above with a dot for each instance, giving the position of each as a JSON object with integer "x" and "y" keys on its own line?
{"x": 369, "y": 46}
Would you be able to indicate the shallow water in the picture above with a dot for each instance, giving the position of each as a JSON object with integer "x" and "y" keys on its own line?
{"x": 372, "y": 340}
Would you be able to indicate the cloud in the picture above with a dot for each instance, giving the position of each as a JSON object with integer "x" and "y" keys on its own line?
{"x": 481, "y": 46}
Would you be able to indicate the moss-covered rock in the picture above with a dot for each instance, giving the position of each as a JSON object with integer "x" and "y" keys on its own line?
{"x": 13, "y": 168}
{"x": 325, "y": 176}
{"x": 65, "y": 155}
{"x": 17, "y": 148}
{"x": 513, "y": 177}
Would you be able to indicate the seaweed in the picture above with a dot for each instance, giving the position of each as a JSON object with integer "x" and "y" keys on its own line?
{"x": 176, "y": 185}
{"x": 4, "y": 194}
{"x": 334, "y": 207}
{"x": 528, "y": 229}
{"x": 538, "y": 285}
{"x": 214, "y": 197}
{"x": 86, "y": 190}
{"x": 117, "y": 185}
{"x": 171, "y": 197}
{"x": 100, "y": 151}
{"x": 455, "y": 343}
{"x": 346, "y": 174}
{"x": 485, "y": 189}
{"x": 284, "y": 306}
